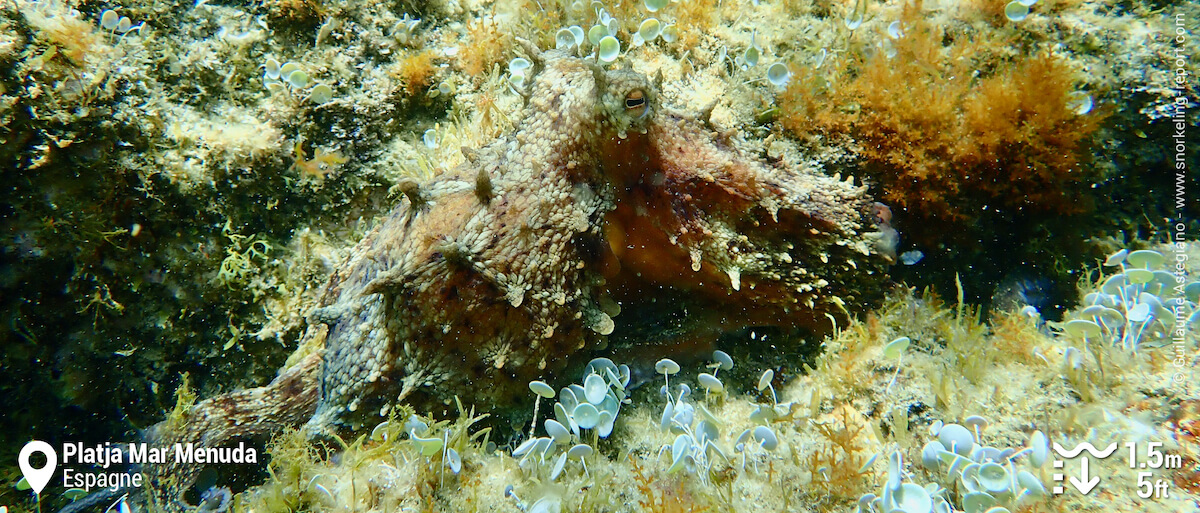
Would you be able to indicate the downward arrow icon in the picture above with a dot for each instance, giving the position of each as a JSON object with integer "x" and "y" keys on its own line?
{"x": 1083, "y": 484}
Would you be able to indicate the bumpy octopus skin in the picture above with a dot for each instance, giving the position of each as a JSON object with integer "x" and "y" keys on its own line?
{"x": 508, "y": 267}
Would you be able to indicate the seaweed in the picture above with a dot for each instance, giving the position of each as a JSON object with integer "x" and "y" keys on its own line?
{"x": 656, "y": 500}
{"x": 414, "y": 70}
{"x": 954, "y": 128}
{"x": 841, "y": 465}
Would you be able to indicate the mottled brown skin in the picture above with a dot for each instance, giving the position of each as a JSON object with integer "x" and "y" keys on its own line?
{"x": 505, "y": 269}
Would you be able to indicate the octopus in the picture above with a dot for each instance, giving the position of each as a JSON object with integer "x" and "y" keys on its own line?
{"x": 517, "y": 263}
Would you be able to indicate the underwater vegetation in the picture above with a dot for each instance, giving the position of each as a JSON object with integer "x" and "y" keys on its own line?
{"x": 952, "y": 132}
{"x": 185, "y": 179}
{"x": 980, "y": 132}
{"x": 867, "y": 429}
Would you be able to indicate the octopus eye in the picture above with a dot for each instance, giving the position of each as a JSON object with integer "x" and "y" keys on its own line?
{"x": 635, "y": 99}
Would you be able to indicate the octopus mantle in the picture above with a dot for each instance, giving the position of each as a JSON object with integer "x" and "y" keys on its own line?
{"x": 511, "y": 266}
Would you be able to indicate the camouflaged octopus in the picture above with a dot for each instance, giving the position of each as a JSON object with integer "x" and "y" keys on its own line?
{"x": 509, "y": 267}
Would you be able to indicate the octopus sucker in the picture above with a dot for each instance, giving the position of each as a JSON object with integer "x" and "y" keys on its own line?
{"x": 515, "y": 264}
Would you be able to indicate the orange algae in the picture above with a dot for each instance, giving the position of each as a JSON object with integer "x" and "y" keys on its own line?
{"x": 949, "y": 130}
{"x": 840, "y": 462}
{"x": 414, "y": 71}
{"x": 320, "y": 165}
{"x": 487, "y": 45}
{"x": 69, "y": 36}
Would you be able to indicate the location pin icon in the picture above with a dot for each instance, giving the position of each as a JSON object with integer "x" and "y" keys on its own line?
{"x": 38, "y": 477}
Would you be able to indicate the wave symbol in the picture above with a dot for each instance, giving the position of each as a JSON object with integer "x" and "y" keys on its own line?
{"x": 1085, "y": 446}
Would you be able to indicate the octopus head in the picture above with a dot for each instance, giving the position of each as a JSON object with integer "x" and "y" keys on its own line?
{"x": 627, "y": 101}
